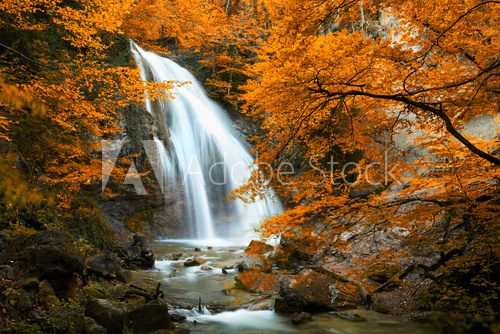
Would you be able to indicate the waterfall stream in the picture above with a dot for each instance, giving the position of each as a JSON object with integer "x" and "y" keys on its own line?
{"x": 202, "y": 161}
{"x": 201, "y": 158}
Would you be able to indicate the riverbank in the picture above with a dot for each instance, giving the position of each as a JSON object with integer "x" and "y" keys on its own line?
{"x": 227, "y": 306}
{"x": 52, "y": 282}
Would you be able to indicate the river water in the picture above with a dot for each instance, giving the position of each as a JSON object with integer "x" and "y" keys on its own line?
{"x": 240, "y": 311}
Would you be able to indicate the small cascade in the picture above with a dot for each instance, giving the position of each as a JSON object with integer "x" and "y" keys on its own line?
{"x": 202, "y": 160}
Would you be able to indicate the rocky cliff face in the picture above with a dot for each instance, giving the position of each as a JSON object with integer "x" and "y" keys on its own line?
{"x": 153, "y": 214}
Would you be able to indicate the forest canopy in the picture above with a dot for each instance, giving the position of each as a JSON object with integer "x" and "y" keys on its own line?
{"x": 384, "y": 114}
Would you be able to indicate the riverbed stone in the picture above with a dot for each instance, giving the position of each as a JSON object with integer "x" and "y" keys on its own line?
{"x": 261, "y": 304}
{"x": 175, "y": 256}
{"x": 150, "y": 317}
{"x": 190, "y": 263}
{"x": 300, "y": 318}
{"x": 197, "y": 261}
{"x": 349, "y": 316}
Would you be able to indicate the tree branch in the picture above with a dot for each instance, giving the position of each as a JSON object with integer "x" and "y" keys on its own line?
{"x": 428, "y": 107}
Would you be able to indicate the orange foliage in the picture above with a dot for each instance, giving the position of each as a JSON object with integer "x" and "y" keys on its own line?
{"x": 222, "y": 35}
{"x": 81, "y": 23}
{"x": 78, "y": 92}
{"x": 256, "y": 281}
{"x": 346, "y": 79}
{"x": 392, "y": 86}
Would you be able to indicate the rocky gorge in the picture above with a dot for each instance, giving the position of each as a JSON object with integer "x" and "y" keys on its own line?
{"x": 172, "y": 166}
{"x": 49, "y": 278}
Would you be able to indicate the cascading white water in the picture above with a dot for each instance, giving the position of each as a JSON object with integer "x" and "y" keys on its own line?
{"x": 202, "y": 157}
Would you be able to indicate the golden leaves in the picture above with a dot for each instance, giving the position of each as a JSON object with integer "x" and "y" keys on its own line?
{"x": 327, "y": 83}
{"x": 78, "y": 98}
{"x": 88, "y": 19}
{"x": 82, "y": 21}
{"x": 222, "y": 34}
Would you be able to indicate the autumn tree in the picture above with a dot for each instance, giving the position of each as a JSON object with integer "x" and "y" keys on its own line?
{"x": 220, "y": 36}
{"x": 62, "y": 91}
{"x": 396, "y": 84}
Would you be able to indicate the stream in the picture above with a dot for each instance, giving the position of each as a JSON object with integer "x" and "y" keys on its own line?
{"x": 202, "y": 160}
{"x": 240, "y": 311}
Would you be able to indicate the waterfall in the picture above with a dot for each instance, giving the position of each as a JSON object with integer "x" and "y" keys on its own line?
{"x": 201, "y": 158}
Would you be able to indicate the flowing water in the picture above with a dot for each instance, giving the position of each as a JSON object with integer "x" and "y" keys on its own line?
{"x": 240, "y": 311}
{"x": 201, "y": 156}
{"x": 202, "y": 160}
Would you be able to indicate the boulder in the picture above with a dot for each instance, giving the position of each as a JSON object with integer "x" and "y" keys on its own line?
{"x": 4, "y": 241}
{"x": 46, "y": 295}
{"x": 241, "y": 266}
{"x": 254, "y": 280}
{"x": 12, "y": 248}
{"x": 387, "y": 302}
{"x": 50, "y": 238}
{"x": 175, "y": 256}
{"x": 24, "y": 301}
{"x": 418, "y": 316}
{"x": 311, "y": 292}
{"x": 106, "y": 314}
{"x": 381, "y": 272}
{"x": 47, "y": 260}
{"x": 50, "y": 255}
{"x": 294, "y": 252}
{"x": 108, "y": 266}
{"x": 300, "y": 318}
{"x": 90, "y": 326}
{"x": 29, "y": 284}
{"x": 257, "y": 247}
{"x": 150, "y": 317}
{"x": 172, "y": 331}
{"x": 139, "y": 240}
{"x": 194, "y": 262}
